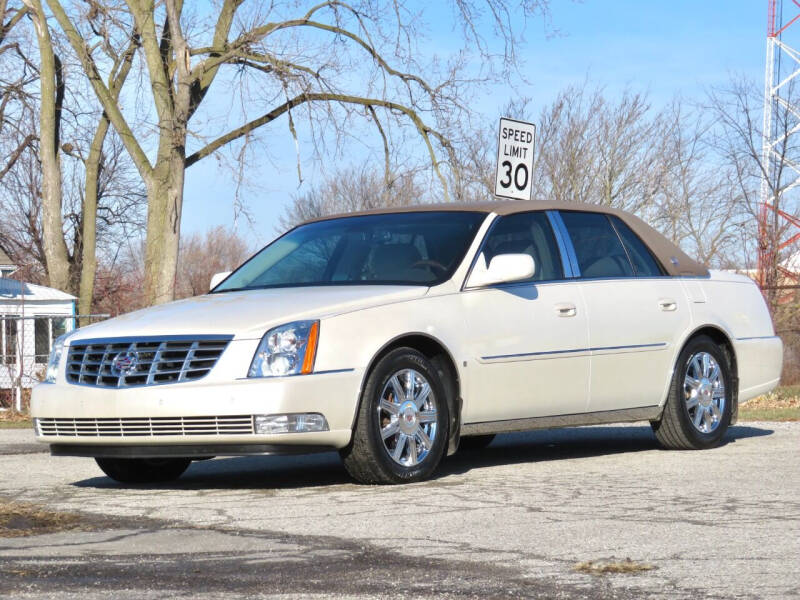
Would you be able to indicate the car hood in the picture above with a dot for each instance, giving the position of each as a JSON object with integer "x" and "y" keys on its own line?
{"x": 246, "y": 314}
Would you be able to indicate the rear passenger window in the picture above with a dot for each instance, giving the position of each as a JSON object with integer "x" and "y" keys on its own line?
{"x": 597, "y": 246}
{"x": 643, "y": 262}
{"x": 526, "y": 233}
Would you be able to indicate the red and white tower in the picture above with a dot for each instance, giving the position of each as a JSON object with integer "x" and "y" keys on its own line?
{"x": 778, "y": 227}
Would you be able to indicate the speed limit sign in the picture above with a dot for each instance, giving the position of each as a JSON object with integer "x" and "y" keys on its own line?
{"x": 515, "y": 159}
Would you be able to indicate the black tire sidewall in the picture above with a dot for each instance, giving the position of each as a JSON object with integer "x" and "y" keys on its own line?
{"x": 698, "y": 438}
{"x": 404, "y": 358}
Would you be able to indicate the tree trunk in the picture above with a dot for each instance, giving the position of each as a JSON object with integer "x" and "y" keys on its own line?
{"x": 89, "y": 230}
{"x": 55, "y": 249}
{"x": 165, "y": 203}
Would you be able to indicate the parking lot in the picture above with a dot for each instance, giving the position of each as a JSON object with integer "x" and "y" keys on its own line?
{"x": 528, "y": 517}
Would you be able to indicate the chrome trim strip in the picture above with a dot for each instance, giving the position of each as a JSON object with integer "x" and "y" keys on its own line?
{"x": 150, "y": 338}
{"x": 556, "y": 225}
{"x": 329, "y": 372}
{"x": 567, "y": 241}
{"x": 644, "y": 413}
{"x": 758, "y": 337}
{"x": 576, "y": 350}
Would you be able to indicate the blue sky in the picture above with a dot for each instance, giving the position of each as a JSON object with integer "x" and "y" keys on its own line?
{"x": 664, "y": 48}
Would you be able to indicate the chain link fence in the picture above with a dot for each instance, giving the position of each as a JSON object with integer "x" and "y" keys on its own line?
{"x": 25, "y": 344}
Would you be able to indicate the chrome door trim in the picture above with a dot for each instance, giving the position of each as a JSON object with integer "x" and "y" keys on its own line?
{"x": 644, "y": 413}
{"x": 568, "y": 256}
{"x": 551, "y": 353}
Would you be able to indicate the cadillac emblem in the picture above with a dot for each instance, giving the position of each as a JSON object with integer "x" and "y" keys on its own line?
{"x": 124, "y": 363}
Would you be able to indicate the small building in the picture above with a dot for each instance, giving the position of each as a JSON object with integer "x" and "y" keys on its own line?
{"x": 31, "y": 317}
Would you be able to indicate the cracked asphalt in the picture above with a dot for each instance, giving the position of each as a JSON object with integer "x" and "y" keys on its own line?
{"x": 512, "y": 520}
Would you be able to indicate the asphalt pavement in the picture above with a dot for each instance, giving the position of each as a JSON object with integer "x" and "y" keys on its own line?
{"x": 514, "y": 520}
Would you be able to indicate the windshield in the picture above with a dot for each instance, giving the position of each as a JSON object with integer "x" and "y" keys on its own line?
{"x": 417, "y": 248}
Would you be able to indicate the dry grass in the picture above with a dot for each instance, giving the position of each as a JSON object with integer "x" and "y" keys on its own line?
{"x": 782, "y": 404}
{"x": 18, "y": 519}
{"x": 14, "y": 420}
{"x": 604, "y": 567}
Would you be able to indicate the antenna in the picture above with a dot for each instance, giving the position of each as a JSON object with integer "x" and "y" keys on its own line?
{"x": 777, "y": 228}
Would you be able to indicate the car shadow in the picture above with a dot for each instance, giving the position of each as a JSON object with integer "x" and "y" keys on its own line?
{"x": 325, "y": 469}
{"x": 573, "y": 442}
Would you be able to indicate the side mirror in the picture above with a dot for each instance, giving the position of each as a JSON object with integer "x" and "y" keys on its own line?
{"x": 503, "y": 268}
{"x": 219, "y": 278}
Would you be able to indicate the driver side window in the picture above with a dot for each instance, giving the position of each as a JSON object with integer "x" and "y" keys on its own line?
{"x": 526, "y": 233}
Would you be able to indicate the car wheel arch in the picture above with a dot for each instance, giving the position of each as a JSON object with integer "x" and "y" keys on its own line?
{"x": 439, "y": 354}
{"x": 724, "y": 340}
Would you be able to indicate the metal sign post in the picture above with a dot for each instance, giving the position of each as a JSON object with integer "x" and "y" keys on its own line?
{"x": 515, "y": 145}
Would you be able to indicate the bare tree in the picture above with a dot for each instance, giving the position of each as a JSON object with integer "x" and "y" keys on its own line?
{"x": 737, "y": 138}
{"x": 67, "y": 184}
{"x": 51, "y": 76}
{"x": 352, "y": 190}
{"x": 204, "y": 254}
{"x": 623, "y": 153}
{"x": 338, "y": 61}
{"x": 17, "y": 73}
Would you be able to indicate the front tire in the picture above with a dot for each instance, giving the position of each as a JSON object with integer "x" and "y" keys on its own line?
{"x": 143, "y": 470}
{"x": 402, "y": 425}
{"x": 698, "y": 408}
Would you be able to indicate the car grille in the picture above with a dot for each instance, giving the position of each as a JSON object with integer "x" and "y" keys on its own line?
{"x": 146, "y": 426}
{"x": 123, "y": 363}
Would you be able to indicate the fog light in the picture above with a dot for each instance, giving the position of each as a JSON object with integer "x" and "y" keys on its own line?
{"x": 291, "y": 423}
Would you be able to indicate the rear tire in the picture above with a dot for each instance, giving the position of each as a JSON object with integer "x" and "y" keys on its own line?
{"x": 143, "y": 470}
{"x": 698, "y": 409}
{"x": 402, "y": 425}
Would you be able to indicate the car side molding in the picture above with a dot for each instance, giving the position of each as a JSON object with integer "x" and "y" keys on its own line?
{"x": 645, "y": 413}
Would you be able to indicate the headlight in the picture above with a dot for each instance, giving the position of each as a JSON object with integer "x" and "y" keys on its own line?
{"x": 286, "y": 350}
{"x": 55, "y": 359}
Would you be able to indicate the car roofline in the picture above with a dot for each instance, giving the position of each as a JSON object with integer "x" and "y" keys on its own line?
{"x": 673, "y": 260}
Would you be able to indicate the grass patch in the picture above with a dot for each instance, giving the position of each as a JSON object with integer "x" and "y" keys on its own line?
{"x": 16, "y": 424}
{"x": 604, "y": 567}
{"x": 19, "y": 519}
{"x": 14, "y": 420}
{"x": 781, "y": 404}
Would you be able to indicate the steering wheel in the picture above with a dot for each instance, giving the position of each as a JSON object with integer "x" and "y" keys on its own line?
{"x": 433, "y": 264}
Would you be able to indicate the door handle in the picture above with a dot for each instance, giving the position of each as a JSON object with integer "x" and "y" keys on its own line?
{"x": 667, "y": 304}
{"x": 566, "y": 309}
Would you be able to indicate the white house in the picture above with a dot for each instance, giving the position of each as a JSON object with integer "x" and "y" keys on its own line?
{"x": 31, "y": 317}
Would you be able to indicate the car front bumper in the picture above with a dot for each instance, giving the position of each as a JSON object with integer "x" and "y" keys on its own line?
{"x": 194, "y": 419}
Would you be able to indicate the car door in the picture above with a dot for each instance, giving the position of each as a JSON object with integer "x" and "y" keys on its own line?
{"x": 636, "y": 313}
{"x": 527, "y": 340}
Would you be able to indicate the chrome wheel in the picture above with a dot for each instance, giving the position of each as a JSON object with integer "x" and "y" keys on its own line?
{"x": 407, "y": 417}
{"x": 704, "y": 392}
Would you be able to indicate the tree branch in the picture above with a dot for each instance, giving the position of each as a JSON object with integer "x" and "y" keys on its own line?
{"x": 425, "y": 132}
{"x": 159, "y": 77}
{"x": 9, "y": 25}
{"x": 203, "y": 75}
{"x": 103, "y": 94}
{"x": 16, "y": 154}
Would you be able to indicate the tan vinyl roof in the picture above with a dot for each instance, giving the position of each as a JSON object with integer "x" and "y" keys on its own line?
{"x": 672, "y": 258}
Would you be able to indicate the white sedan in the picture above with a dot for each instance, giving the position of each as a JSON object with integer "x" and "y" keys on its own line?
{"x": 392, "y": 336}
